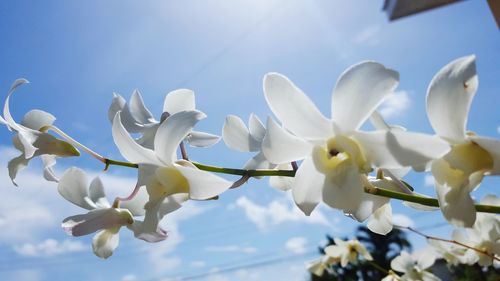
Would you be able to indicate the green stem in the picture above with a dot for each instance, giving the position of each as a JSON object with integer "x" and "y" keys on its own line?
{"x": 289, "y": 173}
{"x": 378, "y": 267}
{"x": 423, "y": 200}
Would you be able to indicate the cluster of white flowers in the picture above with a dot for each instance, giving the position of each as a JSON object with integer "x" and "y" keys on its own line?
{"x": 332, "y": 158}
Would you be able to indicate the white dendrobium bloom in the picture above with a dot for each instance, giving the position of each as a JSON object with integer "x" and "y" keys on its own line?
{"x": 318, "y": 267}
{"x": 238, "y": 137}
{"x": 158, "y": 168}
{"x": 472, "y": 157}
{"x": 337, "y": 154}
{"x": 484, "y": 236}
{"x": 105, "y": 218}
{"x": 136, "y": 118}
{"x": 414, "y": 269}
{"x": 31, "y": 142}
{"x": 347, "y": 251}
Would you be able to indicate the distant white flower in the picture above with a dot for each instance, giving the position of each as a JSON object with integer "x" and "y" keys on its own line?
{"x": 337, "y": 154}
{"x": 318, "y": 267}
{"x": 32, "y": 142}
{"x": 347, "y": 251}
{"x": 136, "y": 118}
{"x": 105, "y": 218}
{"x": 414, "y": 269}
{"x": 484, "y": 235}
{"x": 159, "y": 171}
{"x": 472, "y": 157}
{"x": 238, "y": 137}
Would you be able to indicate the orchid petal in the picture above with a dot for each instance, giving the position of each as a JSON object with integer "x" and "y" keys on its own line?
{"x": 256, "y": 128}
{"x": 378, "y": 122}
{"x": 36, "y": 119}
{"x": 368, "y": 205}
{"x": 426, "y": 259}
{"x": 258, "y": 162}
{"x": 15, "y": 165}
{"x": 73, "y": 187}
{"x": 237, "y": 136}
{"x": 117, "y": 104}
{"x": 97, "y": 194}
{"x": 149, "y": 229}
{"x": 396, "y": 149}
{"x": 307, "y": 186}
{"x": 457, "y": 205}
{"x": 136, "y": 204}
{"x": 203, "y": 185}
{"x": 173, "y": 131}
{"x": 279, "y": 146}
{"x": 402, "y": 263}
{"x": 492, "y": 146}
{"x": 147, "y": 138}
{"x": 179, "y": 100}
{"x": 449, "y": 97}
{"x": 131, "y": 150}
{"x": 105, "y": 242}
{"x": 201, "y": 139}
{"x": 359, "y": 90}
{"x": 281, "y": 183}
{"x": 145, "y": 174}
{"x": 49, "y": 161}
{"x": 344, "y": 190}
{"x": 138, "y": 110}
{"x": 381, "y": 220}
{"x": 294, "y": 109}
{"x": 27, "y": 138}
{"x": 453, "y": 189}
{"x": 152, "y": 237}
{"x": 95, "y": 220}
{"x": 48, "y": 144}
{"x": 6, "y": 111}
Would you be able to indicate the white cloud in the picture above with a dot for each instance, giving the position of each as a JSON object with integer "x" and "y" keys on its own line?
{"x": 129, "y": 277}
{"x": 49, "y": 247}
{"x": 429, "y": 181}
{"x": 368, "y": 36}
{"x": 402, "y": 220}
{"x": 395, "y": 104}
{"x": 498, "y": 129}
{"x": 231, "y": 248}
{"x": 277, "y": 212}
{"x": 296, "y": 245}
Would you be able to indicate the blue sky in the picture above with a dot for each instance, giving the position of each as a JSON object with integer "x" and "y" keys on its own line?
{"x": 77, "y": 53}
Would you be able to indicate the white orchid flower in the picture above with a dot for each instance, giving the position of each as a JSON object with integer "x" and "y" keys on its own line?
{"x": 158, "y": 168}
{"x": 415, "y": 269}
{"x": 31, "y": 142}
{"x": 318, "y": 267}
{"x": 337, "y": 154}
{"x": 347, "y": 251}
{"x": 238, "y": 137}
{"x": 136, "y": 118}
{"x": 484, "y": 235}
{"x": 105, "y": 218}
{"x": 472, "y": 157}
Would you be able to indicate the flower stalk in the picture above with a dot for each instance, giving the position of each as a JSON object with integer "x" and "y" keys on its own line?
{"x": 290, "y": 173}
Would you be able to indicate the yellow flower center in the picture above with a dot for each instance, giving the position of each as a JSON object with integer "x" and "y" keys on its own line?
{"x": 469, "y": 157}
{"x": 167, "y": 181}
{"x": 340, "y": 152}
{"x": 464, "y": 165}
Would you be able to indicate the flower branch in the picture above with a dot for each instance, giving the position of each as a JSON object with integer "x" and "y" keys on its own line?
{"x": 429, "y": 237}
